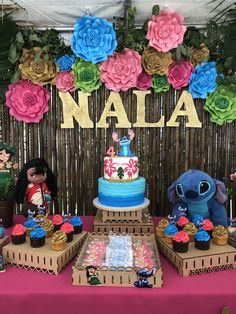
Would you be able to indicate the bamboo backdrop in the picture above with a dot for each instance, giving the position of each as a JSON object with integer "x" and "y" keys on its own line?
{"x": 76, "y": 155}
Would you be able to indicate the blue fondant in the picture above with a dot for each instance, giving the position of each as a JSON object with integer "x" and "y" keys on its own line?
{"x": 202, "y": 235}
{"x": 38, "y": 233}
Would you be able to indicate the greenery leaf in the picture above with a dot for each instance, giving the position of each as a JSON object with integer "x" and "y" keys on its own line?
{"x": 155, "y": 9}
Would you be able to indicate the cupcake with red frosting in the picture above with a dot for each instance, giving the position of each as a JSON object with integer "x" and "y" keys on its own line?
{"x": 208, "y": 226}
{"x": 181, "y": 222}
{"x": 18, "y": 234}
{"x": 180, "y": 242}
{"x": 57, "y": 222}
{"x": 69, "y": 230}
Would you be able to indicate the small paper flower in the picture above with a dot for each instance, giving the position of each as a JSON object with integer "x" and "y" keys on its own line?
{"x": 155, "y": 62}
{"x": 222, "y": 104}
{"x": 144, "y": 81}
{"x": 65, "y": 81}
{"x": 199, "y": 55}
{"x": 65, "y": 62}
{"x": 165, "y": 31}
{"x": 120, "y": 72}
{"x": 94, "y": 39}
{"x": 27, "y": 101}
{"x": 203, "y": 80}
{"x": 160, "y": 83}
{"x": 87, "y": 76}
{"x": 179, "y": 74}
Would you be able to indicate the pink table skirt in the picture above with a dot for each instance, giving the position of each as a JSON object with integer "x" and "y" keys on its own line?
{"x": 30, "y": 292}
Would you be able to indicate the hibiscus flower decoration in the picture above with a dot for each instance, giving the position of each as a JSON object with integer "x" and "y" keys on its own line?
{"x": 131, "y": 168}
{"x": 109, "y": 166}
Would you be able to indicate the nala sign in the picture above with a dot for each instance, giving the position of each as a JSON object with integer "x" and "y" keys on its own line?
{"x": 80, "y": 112}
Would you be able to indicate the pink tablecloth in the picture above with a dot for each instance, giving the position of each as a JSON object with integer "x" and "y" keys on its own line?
{"x": 30, "y": 292}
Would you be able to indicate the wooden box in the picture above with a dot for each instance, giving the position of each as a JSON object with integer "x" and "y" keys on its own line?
{"x": 197, "y": 261}
{"x": 44, "y": 258}
{"x": 3, "y": 242}
{"x": 232, "y": 241}
{"x": 115, "y": 277}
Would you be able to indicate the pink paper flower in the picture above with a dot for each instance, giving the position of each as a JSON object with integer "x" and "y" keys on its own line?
{"x": 165, "y": 31}
{"x": 109, "y": 166}
{"x": 179, "y": 74}
{"x": 27, "y": 101}
{"x": 65, "y": 81}
{"x": 121, "y": 70}
{"x": 144, "y": 81}
{"x": 131, "y": 168}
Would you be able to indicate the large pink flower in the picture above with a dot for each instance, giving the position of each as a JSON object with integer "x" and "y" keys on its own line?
{"x": 109, "y": 166}
{"x": 65, "y": 81}
{"x": 179, "y": 74}
{"x": 121, "y": 70}
{"x": 131, "y": 167}
{"x": 165, "y": 31}
{"x": 144, "y": 81}
{"x": 27, "y": 101}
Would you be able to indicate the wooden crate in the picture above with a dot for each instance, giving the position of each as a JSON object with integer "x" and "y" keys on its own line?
{"x": 232, "y": 241}
{"x": 145, "y": 226}
{"x": 3, "y": 242}
{"x": 115, "y": 277}
{"x": 197, "y": 261}
{"x": 44, "y": 258}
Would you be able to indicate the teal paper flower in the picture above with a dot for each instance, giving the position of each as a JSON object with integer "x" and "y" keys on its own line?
{"x": 160, "y": 84}
{"x": 222, "y": 104}
{"x": 87, "y": 76}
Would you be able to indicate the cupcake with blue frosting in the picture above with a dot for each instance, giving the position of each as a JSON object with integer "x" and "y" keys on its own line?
{"x": 2, "y": 231}
{"x": 169, "y": 232}
{"x": 77, "y": 223}
{"x": 197, "y": 220}
{"x": 202, "y": 240}
{"x": 29, "y": 226}
{"x": 37, "y": 237}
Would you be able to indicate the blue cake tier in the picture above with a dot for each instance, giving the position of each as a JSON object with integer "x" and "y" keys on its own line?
{"x": 121, "y": 194}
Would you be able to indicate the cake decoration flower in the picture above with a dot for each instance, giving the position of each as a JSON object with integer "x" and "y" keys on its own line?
{"x": 109, "y": 166}
{"x": 131, "y": 167}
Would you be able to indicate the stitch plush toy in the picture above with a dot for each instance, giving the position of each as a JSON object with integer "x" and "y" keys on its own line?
{"x": 200, "y": 194}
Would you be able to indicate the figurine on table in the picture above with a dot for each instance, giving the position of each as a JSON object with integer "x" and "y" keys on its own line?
{"x": 2, "y": 264}
{"x": 92, "y": 276}
{"x": 6, "y": 153}
{"x": 143, "y": 275}
{"x": 36, "y": 186}
{"x": 124, "y": 142}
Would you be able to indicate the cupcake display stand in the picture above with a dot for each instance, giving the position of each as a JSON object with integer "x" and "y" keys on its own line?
{"x": 198, "y": 261}
{"x": 3, "y": 242}
{"x": 232, "y": 241}
{"x": 44, "y": 258}
{"x": 135, "y": 219}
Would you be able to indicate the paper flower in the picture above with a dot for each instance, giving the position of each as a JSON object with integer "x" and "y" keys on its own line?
{"x": 120, "y": 72}
{"x": 38, "y": 70}
{"x": 144, "y": 81}
{"x": 155, "y": 62}
{"x": 27, "y": 101}
{"x": 199, "y": 55}
{"x": 94, "y": 39}
{"x": 203, "y": 80}
{"x": 179, "y": 74}
{"x": 65, "y": 81}
{"x": 222, "y": 104}
{"x": 65, "y": 62}
{"x": 160, "y": 83}
{"x": 165, "y": 31}
{"x": 87, "y": 76}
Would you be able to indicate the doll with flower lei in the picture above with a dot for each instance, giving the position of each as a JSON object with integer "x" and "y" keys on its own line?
{"x": 6, "y": 153}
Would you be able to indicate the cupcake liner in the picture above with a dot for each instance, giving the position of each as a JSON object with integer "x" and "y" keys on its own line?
{"x": 58, "y": 246}
{"x": 18, "y": 239}
{"x": 78, "y": 229}
{"x": 181, "y": 247}
{"x": 70, "y": 236}
{"x": 28, "y": 230}
{"x": 202, "y": 245}
{"x": 160, "y": 233}
{"x": 37, "y": 242}
{"x": 57, "y": 227}
{"x": 168, "y": 239}
{"x": 220, "y": 241}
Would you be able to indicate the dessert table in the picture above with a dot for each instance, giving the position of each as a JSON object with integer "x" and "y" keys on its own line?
{"x": 25, "y": 291}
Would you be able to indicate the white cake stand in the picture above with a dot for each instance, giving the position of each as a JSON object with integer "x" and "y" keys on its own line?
{"x": 139, "y": 207}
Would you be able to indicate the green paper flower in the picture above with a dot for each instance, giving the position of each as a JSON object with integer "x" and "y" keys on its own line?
{"x": 160, "y": 84}
{"x": 222, "y": 104}
{"x": 87, "y": 76}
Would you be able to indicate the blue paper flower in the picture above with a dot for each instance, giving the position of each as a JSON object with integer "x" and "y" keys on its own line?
{"x": 65, "y": 62}
{"x": 94, "y": 39}
{"x": 203, "y": 80}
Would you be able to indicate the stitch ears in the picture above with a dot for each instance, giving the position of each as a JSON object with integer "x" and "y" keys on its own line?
{"x": 171, "y": 192}
{"x": 221, "y": 193}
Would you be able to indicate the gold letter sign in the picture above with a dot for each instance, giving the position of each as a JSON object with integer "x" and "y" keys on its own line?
{"x": 190, "y": 112}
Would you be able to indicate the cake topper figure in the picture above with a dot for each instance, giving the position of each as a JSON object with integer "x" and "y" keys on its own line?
{"x": 124, "y": 142}
{"x": 2, "y": 264}
{"x": 143, "y": 275}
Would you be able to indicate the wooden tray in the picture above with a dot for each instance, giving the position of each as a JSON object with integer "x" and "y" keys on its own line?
{"x": 3, "y": 242}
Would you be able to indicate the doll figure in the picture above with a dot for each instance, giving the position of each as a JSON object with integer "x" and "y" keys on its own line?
{"x": 6, "y": 153}
{"x": 36, "y": 186}
{"x": 92, "y": 276}
{"x": 2, "y": 264}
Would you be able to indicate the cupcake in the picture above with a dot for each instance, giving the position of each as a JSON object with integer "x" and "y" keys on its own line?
{"x": 180, "y": 242}
{"x": 40, "y": 217}
{"x": 59, "y": 239}
{"x": 18, "y": 234}
{"x": 169, "y": 232}
{"x": 57, "y": 221}
{"x": 162, "y": 224}
{"x": 208, "y": 226}
{"x": 197, "y": 219}
{"x": 2, "y": 231}
{"x": 77, "y": 224}
{"x": 220, "y": 235}
{"x": 181, "y": 222}
{"x": 69, "y": 230}
{"x": 191, "y": 229}
{"x": 29, "y": 226}
{"x": 48, "y": 227}
{"x": 202, "y": 240}
{"x": 37, "y": 237}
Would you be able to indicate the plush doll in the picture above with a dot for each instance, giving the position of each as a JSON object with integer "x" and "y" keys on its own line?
{"x": 6, "y": 153}
{"x": 36, "y": 186}
{"x": 201, "y": 195}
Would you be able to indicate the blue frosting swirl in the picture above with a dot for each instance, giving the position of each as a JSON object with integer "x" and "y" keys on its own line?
{"x": 196, "y": 219}
{"x": 29, "y": 223}
{"x": 2, "y": 231}
{"x": 202, "y": 235}
{"x": 171, "y": 230}
{"x": 38, "y": 233}
{"x": 76, "y": 221}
